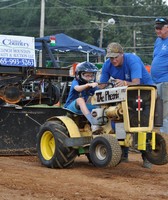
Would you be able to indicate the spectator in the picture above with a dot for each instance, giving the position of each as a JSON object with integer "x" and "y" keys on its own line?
{"x": 159, "y": 66}
{"x": 82, "y": 87}
{"x": 126, "y": 69}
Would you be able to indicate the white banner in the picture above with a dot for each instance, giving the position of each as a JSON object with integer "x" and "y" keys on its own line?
{"x": 17, "y": 51}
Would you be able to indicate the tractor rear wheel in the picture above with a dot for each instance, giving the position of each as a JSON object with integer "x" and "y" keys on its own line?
{"x": 50, "y": 146}
{"x": 159, "y": 156}
{"x": 105, "y": 151}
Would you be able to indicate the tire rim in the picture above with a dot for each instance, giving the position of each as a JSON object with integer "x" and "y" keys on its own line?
{"x": 47, "y": 145}
{"x": 101, "y": 152}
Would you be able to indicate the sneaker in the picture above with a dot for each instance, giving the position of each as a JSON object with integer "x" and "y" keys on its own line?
{"x": 146, "y": 164}
{"x": 96, "y": 129}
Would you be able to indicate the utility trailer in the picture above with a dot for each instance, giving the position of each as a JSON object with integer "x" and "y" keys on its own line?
{"x": 20, "y": 125}
{"x": 22, "y": 90}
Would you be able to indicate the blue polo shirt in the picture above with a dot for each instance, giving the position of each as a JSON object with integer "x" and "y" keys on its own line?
{"x": 131, "y": 68}
{"x": 159, "y": 69}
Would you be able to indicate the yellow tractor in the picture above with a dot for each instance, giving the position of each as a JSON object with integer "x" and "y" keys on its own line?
{"x": 62, "y": 138}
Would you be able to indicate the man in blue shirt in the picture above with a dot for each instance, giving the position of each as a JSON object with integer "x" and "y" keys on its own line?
{"x": 159, "y": 69}
{"x": 126, "y": 69}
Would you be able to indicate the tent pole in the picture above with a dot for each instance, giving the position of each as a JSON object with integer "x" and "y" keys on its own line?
{"x": 88, "y": 56}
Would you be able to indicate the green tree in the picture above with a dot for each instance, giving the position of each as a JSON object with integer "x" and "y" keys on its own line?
{"x": 134, "y": 27}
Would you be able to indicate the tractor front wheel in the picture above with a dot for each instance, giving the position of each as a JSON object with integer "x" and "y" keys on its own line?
{"x": 105, "y": 151}
{"x": 159, "y": 156}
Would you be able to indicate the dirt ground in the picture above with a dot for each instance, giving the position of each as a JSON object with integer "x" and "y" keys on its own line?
{"x": 24, "y": 178}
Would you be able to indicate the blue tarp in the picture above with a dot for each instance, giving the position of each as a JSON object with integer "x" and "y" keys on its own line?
{"x": 65, "y": 43}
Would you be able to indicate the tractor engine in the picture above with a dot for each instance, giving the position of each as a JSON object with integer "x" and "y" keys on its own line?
{"x": 102, "y": 114}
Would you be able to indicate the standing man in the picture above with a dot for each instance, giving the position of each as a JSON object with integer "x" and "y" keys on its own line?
{"x": 159, "y": 69}
{"x": 126, "y": 69}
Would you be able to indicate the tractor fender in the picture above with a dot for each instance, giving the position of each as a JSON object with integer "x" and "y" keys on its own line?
{"x": 70, "y": 125}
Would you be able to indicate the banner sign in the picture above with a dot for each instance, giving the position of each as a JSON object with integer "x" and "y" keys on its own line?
{"x": 17, "y": 51}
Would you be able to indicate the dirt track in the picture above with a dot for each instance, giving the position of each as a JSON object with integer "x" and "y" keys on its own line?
{"x": 23, "y": 178}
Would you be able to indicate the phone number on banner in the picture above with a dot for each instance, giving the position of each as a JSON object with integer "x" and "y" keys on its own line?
{"x": 17, "y": 62}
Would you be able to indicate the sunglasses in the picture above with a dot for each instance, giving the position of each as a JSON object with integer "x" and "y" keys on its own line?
{"x": 160, "y": 20}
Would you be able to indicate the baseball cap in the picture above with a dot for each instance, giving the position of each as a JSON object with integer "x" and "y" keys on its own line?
{"x": 113, "y": 50}
{"x": 160, "y": 22}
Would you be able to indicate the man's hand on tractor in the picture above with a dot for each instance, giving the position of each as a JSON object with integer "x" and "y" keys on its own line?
{"x": 120, "y": 83}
